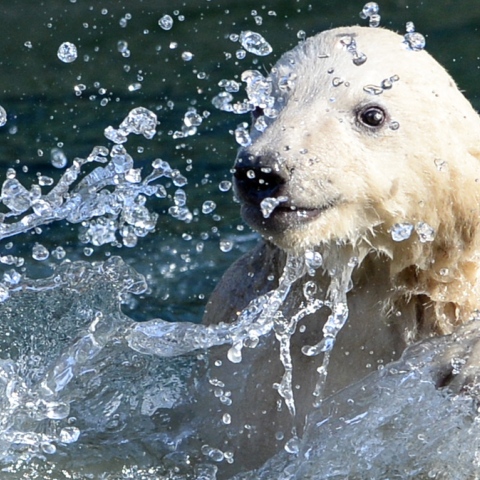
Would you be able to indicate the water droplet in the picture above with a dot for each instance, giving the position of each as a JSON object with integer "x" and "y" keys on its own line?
{"x": 293, "y": 446}
{"x": 242, "y": 136}
{"x": 59, "y": 253}
{"x": 268, "y": 205}
{"x": 369, "y": 9}
{"x": 225, "y": 185}
{"x": 226, "y": 419}
{"x": 425, "y": 232}
{"x": 67, "y": 52}
{"x": 401, "y": 231}
{"x": 441, "y": 164}
{"x": 187, "y": 56}
{"x": 192, "y": 118}
{"x": 337, "y": 81}
{"x": 254, "y": 43}
{"x": 359, "y": 58}
{"x": 39, "y": 252}
{"x": 4, "y": 292}
{"x": 57, "y": 158}
{"x": 313, "y": 260}
{"x": 374, "y": 20}
{"x": 166, "y": 22}
{"x": 208, "y": 207}
{"x": 3, "y": 116}
{"x": 373, "y": 89}
{"x": 414, "y": 40}
{"x": 226, "y": 245}
{"x": 48, "y": 448}
{"x": 240, "y": 53}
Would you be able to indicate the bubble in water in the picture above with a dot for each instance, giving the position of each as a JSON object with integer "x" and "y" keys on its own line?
{"x": 425, "y": 232}
{"x": 3, "y": 116}
{"x": 254, "y": 43}
{"x": 166, "y": 22}
{"x": 401, "y": 231}
{"x": 39, "y": 252}
{"x": 67, "y": 52}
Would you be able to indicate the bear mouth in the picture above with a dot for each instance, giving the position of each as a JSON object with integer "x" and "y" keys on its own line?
{"x": 283, "y": 216}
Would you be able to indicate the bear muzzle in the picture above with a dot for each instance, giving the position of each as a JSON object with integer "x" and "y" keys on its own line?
{"x": 264, "y": 189}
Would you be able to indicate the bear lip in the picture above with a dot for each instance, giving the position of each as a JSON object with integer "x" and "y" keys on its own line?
{"x": 283, "y": 217}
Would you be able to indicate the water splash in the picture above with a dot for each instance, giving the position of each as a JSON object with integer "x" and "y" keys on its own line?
{"x": 337, "y": 302}
{"x": 109, "y": 201}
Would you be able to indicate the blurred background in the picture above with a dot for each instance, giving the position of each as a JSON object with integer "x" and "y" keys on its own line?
{"x": 125, "y": 60}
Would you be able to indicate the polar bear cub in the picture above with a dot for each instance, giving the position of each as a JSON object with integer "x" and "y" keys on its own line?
{"x": 368, "y": 150}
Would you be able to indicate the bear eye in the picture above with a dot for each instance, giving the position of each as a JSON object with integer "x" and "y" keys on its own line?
{"x": 372, "y": 116}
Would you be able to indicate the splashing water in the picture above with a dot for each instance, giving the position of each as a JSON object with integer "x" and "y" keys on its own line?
{"x": 109, "y": 201}
{"x": 83, "y": 384}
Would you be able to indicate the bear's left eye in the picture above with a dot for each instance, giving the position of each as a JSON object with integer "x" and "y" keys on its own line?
{"x": 372, "y": 116}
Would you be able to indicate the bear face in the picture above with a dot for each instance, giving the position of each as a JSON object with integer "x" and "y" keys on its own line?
{"x": 357, "y": 149}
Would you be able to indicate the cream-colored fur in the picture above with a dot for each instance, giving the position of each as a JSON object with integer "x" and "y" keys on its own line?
{"x": 363, "y": 181}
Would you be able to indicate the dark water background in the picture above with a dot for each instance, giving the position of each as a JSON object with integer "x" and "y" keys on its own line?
{"x": 37, "y": 91}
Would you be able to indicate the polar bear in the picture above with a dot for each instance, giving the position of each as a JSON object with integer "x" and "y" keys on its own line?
{"x": 368, "y": 151}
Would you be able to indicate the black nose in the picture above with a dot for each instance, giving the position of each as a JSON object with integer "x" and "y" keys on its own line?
{"x": 257, "y": 178}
